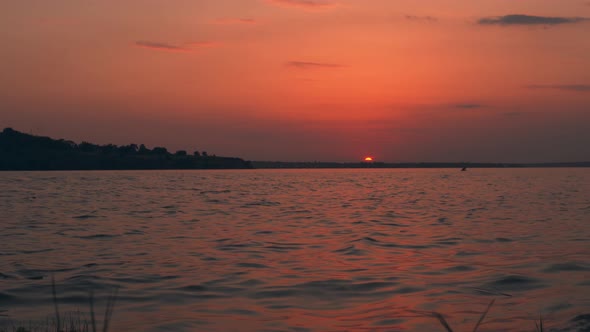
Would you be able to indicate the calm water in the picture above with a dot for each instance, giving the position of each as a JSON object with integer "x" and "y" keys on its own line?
{"x": 300, "y": 250}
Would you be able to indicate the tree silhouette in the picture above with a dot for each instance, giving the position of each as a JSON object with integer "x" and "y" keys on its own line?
{"x": 128, "y": 149}
{"x": 88, "y": 147}
{"x": 160, "y": 151}
{"x": 143, "y": 150}
{"x": 19, "y": 151}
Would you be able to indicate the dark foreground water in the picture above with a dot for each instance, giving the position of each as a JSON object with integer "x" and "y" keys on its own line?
{"x": 300, "y": 250}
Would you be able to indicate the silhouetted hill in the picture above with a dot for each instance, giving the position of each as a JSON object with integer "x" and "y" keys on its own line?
{"x": 20, "y": 151}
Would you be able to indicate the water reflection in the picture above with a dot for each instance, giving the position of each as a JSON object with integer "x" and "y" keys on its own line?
{"x": 301, "y": 250}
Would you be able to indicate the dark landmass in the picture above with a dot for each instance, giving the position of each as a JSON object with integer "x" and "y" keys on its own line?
{"x": 24, "y": 152}
{"x": 280, "y": 164}
{"x": 20, "y": 151}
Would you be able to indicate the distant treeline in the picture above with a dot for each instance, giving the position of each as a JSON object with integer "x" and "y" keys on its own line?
{"x": 282, "y": 164}
{"x": 20, "y": 151}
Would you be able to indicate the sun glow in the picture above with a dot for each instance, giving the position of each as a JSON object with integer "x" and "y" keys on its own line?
{"x": 368, "y": 159}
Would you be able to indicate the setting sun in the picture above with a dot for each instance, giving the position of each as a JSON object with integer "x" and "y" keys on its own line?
{"x": 368, "y": 158}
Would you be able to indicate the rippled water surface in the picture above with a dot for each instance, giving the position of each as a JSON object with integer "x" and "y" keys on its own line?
{"x": 300, "y": 250}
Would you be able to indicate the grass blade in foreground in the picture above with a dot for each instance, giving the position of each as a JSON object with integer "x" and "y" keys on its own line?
{"x": 58, "y": 322}
{"x": 483, "y": 315}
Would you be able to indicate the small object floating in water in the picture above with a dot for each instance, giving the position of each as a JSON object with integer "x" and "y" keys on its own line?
{"x": 463, "y": 169}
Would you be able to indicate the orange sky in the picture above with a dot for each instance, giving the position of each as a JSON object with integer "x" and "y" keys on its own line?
{"x": 405, "y": 80}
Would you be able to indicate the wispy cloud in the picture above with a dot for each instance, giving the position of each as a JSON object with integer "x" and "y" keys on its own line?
{"x": 421, "y": 18}
{"x": 160, "y": 46}
{"x": 311, "y": 65}
{"x": 204, "y": 44}
{"x": 469, "y": 106}
{"x": 565, "y": 87}
{"x": 305, "y": 4}
{"x": 520, "y": 19}
{"x": 234, "y": 21}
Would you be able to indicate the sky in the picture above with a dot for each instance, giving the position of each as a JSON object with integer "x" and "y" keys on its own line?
{"x": 304, "y": 80}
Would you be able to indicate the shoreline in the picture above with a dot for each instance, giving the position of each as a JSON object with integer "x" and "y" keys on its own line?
{"x": 328, "y": 165}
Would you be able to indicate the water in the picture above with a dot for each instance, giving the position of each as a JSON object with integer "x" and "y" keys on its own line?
{"x": 300, "y": 250}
